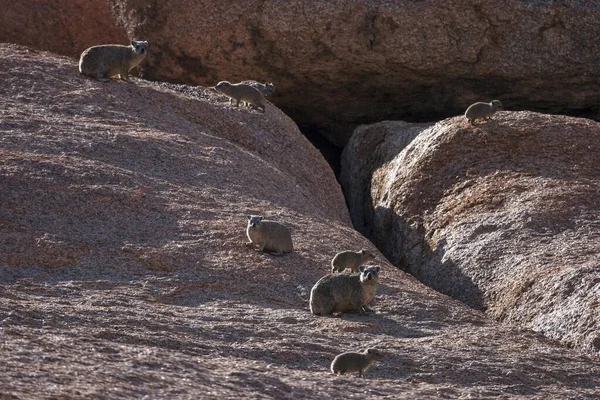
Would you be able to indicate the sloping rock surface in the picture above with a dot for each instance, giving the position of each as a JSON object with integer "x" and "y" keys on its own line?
{"x": 123, "y": 272}
{"x": 62, "y": 26}
{"x": 340, "y": 63}
{"x": 504, "y": 216}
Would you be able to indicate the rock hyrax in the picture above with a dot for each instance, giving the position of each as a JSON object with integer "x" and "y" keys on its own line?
{"x": 105, "y": 61}
{"x": 482, "y": 110}
{"x": 344, "y": 292}
{"x": 355, "y": 362}
{"x": 242, "y": 92}
{"x": 350, "y": 259}
{"x": 267, "y": 89}
{"x": 268, "y": 235}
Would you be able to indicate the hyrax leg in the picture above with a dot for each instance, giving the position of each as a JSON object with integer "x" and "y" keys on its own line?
{"x": 366, "y": 309}
{"x": 125, "y": 75}
{"x": 100, "y": 75}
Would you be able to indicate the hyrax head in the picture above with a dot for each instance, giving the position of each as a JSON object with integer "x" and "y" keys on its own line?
{"x": 496, "y": 105}
{"x": 139, "y": 46}
{"x": 367, "y": 255}
{"x": 222, "y": 84}
{"x": 369, "y": 274}
{"x": 270, "y": 87}
{"x": 254, "y": 220}
{"x": 374, "y": 354}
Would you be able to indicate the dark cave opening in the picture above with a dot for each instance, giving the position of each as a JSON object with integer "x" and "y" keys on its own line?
{"x": 331, "y": 152}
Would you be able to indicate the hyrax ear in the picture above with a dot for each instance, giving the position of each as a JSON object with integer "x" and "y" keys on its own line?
{"x": 377, "y": 268}
{"x": 361, "y": 269}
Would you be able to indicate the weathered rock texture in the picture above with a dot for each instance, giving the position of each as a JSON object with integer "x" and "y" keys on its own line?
{"x": 62, "y": 26}
{"x": 340, "y": 63}
{"x": 504, "y": 216}
{"x": 123, "y": 272}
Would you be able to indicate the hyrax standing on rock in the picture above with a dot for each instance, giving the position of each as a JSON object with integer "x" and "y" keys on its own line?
{"x": 105, "y": 61}
{"x": 268, "y": 235}
{"x": 355, "y": 362}
{"x": 350, "y": 259}
{"x": 482, "y": 110}
{"x": 344, "y": 292}
{"x": 242, "y": 92}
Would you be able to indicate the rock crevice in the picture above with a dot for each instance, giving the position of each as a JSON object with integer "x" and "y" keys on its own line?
{"x": 502, "y": 216}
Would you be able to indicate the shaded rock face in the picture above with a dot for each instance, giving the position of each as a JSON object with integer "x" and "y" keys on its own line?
{"x": 337, "y": 64}
{"x": 123, "y": 270}
{"x": 503, "y": 216}
{"x": 62, "y": 26}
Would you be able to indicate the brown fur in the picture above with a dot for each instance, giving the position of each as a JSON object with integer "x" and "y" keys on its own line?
{"x": 350, "y": 259}
{"x": 268, "y": 235}
{"x": 344, "y": 292}
{"x": 241, "y": 92}
{"x": 482, "y": 111}
{"x": 355, "y": 362}
{"x": 108, "y": 60}
{"x": 267, "y": 89}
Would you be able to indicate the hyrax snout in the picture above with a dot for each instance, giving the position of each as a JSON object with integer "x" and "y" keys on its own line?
{"x": 482, "y": 110}
{"x": 108, "y": 60}
{"x": 268, "y": 235}
{"x": 350, "y": 259}
{"x": 344, "y": 292}
{"x": 355, "y": 362}
{"x": 242, "y": 92}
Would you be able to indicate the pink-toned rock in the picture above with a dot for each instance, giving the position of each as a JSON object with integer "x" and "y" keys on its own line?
{"x": 123, "y": 270}
{"x": 503, "y": 216}
{"x": 62, "y": 26}
{"x": 340, "y": 63}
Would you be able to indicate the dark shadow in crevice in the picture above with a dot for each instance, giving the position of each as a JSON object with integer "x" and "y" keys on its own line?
{"x": 331, "y": 152}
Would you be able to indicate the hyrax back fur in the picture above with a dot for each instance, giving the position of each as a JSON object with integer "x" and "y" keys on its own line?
{"x": 242, "y": 92}
{"x": 344, "y": 292}
{"x": 267, "y": 89}
{"x": 269, "y": 235}
{"x": 105, "y": 61}
{"x": 482, "y": 110}
{"x": 350, "y": 259}
{"x": 355, "y": 362}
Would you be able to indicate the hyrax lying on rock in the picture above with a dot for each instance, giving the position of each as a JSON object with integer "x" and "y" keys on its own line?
{"x": 350, "y": 259}
{"x": 355, "y": 362}
{"x": 344, "y": 292}
{"x": 242, "y": 92}
{"x": 105, "y": 61}
{"x": 268, "y": 235}
{"x": 482, "y": 111}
